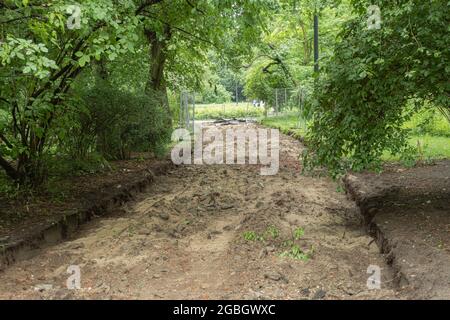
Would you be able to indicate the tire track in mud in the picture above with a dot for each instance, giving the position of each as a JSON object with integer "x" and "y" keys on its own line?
{"x": 183, "y": 239}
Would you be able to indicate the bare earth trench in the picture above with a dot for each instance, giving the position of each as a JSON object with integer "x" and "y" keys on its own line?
{"x": 183, "y": 239}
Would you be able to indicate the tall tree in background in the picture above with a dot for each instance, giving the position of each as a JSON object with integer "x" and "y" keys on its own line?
{"x": 372, "y": 78}
{"x": 285, "y": 56}
{"x": 180, "y": 34}
{"x": 41, "y": 58}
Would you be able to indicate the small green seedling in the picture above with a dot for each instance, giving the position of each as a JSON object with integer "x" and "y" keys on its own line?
{"x": 295, "y": 252}
{"x": 252, "y": 236}
{"x": 340, "y": 189}
{"x": 273, "y": 232}
{"x": 288, "y": 243}
{"x": 299, "y": 233}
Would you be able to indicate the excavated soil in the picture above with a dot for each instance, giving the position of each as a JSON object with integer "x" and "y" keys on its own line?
{"x": 184, "y": 239}
{"x": 25, "y": 215}
{"x": 408, "y": 212}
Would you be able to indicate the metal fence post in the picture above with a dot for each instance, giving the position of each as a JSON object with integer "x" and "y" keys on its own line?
{"x": 180, "y": 120}
{"x": 193, "y": 113}
{"x": 186, "y": 108}
{"x": 276, "y": 101}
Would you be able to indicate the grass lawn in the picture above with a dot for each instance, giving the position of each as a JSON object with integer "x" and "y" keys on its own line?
{"x": 285, "y": 123}
{"x": 432, "y": 147}
{"x": 227, "y": 110}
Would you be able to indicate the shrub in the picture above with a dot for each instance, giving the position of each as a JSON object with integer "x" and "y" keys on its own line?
{"x": 364, "y": 87}
{"x": 116, "y": 123}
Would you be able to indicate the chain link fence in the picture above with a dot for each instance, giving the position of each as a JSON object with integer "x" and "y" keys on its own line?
{"x": 187, "y": 110}
{"x": 280, "y": 101}
{"x": 289, "y": 101}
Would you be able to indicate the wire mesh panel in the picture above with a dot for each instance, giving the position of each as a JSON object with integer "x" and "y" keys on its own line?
{"x": 288, "y": 101}
{"x": 282, "y": 99}
{"x": 300, "y": 98}
{"x": 187, "y": 110}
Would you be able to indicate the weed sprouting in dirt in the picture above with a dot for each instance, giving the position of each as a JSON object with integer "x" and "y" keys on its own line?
{"x": 294, "y": 250}
{"x": 273, "y": 232}
{"x": 291, "y": 246}
{"x": 252, "y": 236}
{"x": 299, "y": 233}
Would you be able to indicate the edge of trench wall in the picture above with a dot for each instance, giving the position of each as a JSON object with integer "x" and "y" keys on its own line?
{"x": 69, "y": 223}
{"x": 368, "y": 208}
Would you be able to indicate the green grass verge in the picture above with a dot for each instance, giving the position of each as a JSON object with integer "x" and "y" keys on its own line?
{"x": 227, "y": 110}
{"x": 428, "y": 121}
{"x": 429, "y": 146}
{"x": 288, "y": 124}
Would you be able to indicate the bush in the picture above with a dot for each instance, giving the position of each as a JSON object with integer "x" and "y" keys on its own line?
{"x": 217, "y": 94}
{"x": 365, "y": 86}
{"x": 116, "y": 123}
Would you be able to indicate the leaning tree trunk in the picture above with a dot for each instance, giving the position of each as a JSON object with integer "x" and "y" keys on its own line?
{"x": 156, "y": 84}
{"x": 28, "y": 167}
{"x": 9, "y": 169}
{"x": 445, "y": 110}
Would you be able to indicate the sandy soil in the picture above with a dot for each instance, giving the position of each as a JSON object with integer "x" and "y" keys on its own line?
{"x": 22, "y": 215}
{"x": 408, "y": 211}
{"x": 184, "y": 239}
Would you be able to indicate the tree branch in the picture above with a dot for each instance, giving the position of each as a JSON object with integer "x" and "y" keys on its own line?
{"x": 183, "y": 31}
{"x": 9, "y": 169}
{"x": 146, "y": 4}
{"x": 8, "y": 144}
{"x": 23, "y": 18}
{"x": 195, "y": 7}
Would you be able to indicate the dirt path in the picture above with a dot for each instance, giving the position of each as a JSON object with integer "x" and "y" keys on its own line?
{"x": 184, "y": 239}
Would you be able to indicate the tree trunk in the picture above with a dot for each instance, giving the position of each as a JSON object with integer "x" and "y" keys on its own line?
{"x": 28, "y": 169}
{"x": 156, "y": 83}
{"x": 158, "y": 58}
{"x": 101, "y": 69}
{"x": 9, "y": 169}
{"x": 306, "y": 45}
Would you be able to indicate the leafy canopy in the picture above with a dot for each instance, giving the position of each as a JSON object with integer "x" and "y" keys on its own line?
{"x": 373, "y": 75}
